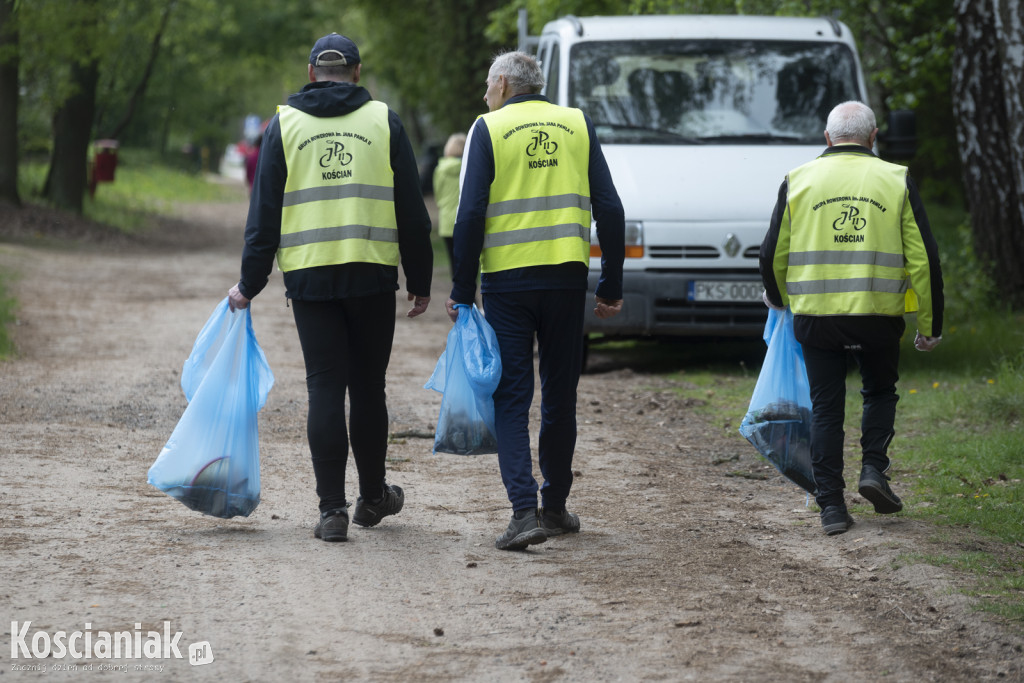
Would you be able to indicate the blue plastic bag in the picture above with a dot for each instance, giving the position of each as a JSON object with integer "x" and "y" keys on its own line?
{"x": 778, "y": 422}
{"x": 211, "y": 462}
{"x": 467, "y": 373}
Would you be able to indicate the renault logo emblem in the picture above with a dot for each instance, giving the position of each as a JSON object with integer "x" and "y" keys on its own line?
{"x": 731, "y": 245}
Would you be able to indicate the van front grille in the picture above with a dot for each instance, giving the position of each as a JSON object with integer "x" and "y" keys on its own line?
{"x": 683, "y": 251}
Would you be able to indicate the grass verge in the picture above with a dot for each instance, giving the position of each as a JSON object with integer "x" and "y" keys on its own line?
{"x": 7, "y": 308}
{"x": 143, "y": 186}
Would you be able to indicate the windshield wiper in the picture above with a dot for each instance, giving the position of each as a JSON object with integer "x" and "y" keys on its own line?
{"x": 772, "y": 138}
{"x": 661, "y": 132}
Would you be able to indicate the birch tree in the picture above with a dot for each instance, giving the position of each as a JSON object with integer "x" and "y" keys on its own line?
{"x": 988, "y": 87}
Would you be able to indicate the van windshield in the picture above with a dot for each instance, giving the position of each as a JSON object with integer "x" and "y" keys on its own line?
{"x": 711, "y": 91}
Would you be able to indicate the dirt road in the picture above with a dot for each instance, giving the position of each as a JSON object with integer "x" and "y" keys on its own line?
{"x": 681, "y": 572}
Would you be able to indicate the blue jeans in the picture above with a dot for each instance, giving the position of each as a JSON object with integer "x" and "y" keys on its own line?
{"x": 555, "y": 318}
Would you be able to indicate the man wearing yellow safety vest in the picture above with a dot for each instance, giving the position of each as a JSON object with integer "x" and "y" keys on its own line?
{"x": 337, "y": 200}
{"x": 532, "y": 173}
{"x": 849, "y": 250}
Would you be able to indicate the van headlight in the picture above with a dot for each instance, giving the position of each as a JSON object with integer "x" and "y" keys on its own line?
{"x": 634, "y": 240}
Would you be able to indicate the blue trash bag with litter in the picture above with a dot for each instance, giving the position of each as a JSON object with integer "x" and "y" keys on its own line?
{"x": 778, "y": 422}
{"x": 211, "y": 462}
{"x": 467, "y": 373}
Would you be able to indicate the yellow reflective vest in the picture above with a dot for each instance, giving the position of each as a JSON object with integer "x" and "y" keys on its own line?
{"x": 338, "y": 202}
{"x": 849, "y": 243}
{"x": 538, "y": 211}
{"x": 446, "y": 193}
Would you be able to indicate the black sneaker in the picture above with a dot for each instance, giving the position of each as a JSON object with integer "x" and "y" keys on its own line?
{"x": 835, "y": 519}
{"x": 874, "y": 486}
{"x": 332, "y": 525}
{"x": 370, "y": 514}
{"x": 521, "y": 533}
{"x": 558, "y": 523}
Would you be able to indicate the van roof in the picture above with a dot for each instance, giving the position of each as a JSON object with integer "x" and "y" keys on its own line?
{"x": 699, "y": 26}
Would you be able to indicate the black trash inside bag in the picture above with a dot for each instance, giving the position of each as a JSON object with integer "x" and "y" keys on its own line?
{"x": 778, "y": 421}
{"x": 467, "y": 373}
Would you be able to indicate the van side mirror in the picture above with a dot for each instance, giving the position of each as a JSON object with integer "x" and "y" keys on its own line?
{"x": 899, "y": 140}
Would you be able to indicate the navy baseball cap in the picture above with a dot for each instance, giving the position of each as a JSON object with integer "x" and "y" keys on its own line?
{"x": 334, "y": 50}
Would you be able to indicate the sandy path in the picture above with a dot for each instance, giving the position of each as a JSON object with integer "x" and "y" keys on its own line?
{"x": 681, "y": 572}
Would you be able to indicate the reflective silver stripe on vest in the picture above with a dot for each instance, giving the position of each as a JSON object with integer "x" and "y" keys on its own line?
{"x": 341, "y": 232}
{"x": 558, "y": 201}
{"x": 859, "y": 284}
{"x": 316, "y": 194}
{"x": 551, "y": 232}
{"x": 846, "y": 258}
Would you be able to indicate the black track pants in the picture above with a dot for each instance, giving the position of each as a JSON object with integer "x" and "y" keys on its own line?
{"x": 346, "y": 345}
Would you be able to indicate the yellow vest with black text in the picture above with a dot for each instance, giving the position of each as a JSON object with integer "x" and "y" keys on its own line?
{"x": 538, "y": 211}
{"x": 339, "y": 194}
{"x": 845, "y": 252}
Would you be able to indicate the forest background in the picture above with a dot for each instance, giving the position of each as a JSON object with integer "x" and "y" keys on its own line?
{"x": 179, "y": 77}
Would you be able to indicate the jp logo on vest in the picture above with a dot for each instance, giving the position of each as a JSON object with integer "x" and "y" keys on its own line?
{"x": 850, "y": 218}
{"x": 541, "y": 142}
{"x": 335, "y": 154}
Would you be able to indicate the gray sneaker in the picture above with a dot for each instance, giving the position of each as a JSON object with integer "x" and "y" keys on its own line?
{"x": 370, "y": 514}
{"x": 874, "y": 486}
{"x": 332, "y": 525}
{"x": 521, "y": 533}
{"x": 558, "y": 523}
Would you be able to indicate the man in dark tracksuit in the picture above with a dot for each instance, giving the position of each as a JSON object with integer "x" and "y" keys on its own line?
{"x": 337, "y": 201}
{"x": 532, "y": 171}
{"x": 849, "y": 249}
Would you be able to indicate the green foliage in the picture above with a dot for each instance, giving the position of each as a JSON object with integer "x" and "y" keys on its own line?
{"x": 969, "y": 287}
{"x": 434, "y": 57}
{"x": 504, "y": 21}
{"x": 969, "y": 290}
{"x": 1000, "y": 581}
{"x": 217, "y": 61}
{"x": 7, "y": 309}
{"x": 959, "y": 436}
{"x": 958, "y": 446}
{"x": 143, "y": 185}
{"x": 222, "y": 59}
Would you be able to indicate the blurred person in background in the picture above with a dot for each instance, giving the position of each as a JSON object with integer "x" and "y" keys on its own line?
{"x": 446, "y": 191}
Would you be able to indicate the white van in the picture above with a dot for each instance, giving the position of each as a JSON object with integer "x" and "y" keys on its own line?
{"x": 700, "y": 118}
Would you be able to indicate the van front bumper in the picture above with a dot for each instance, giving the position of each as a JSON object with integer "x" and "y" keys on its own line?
{"x": 657, "y": 304}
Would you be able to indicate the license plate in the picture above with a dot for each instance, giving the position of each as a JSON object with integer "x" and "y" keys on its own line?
{"x": 724, "y": 290}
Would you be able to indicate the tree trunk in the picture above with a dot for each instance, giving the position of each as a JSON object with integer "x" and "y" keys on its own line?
{"x": 72, "y": 130}
{"x": 988, "y": 86}
{"x": 9, "y": 60}
{"x": 140, "y": 87}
